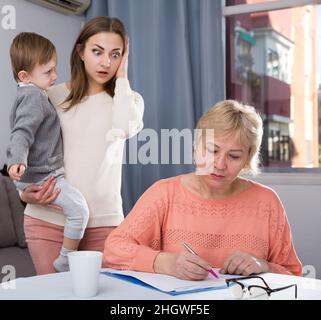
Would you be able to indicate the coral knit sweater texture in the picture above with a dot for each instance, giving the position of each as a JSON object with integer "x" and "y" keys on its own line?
{"x": 167, "y": 214}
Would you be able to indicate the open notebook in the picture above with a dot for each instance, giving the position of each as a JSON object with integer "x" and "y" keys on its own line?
{"x": 169, "y": 284}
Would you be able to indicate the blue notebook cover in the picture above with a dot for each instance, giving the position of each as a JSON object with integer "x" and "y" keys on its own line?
{"x": 146, "y": 285}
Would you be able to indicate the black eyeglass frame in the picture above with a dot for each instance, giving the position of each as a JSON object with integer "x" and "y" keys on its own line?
{"x": 266, "y": 288}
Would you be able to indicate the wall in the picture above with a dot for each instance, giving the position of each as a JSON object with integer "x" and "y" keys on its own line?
{"x": 300, "y": 194}
{"x": 61, "y": 29}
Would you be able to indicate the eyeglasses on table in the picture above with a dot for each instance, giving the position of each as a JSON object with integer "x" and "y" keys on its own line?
{"x": 239, "y": 289}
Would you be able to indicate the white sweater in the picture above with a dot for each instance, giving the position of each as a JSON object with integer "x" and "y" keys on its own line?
{"x": 94, "y": 134}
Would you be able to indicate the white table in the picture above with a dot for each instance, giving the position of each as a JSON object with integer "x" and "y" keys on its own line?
{"x": 58, "y": 287}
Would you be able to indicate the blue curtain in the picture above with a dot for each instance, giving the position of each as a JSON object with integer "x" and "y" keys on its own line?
{"x": 176, "y": 63}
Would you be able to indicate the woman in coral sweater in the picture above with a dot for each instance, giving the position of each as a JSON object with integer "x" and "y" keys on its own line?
{"x": 231, "y": 222}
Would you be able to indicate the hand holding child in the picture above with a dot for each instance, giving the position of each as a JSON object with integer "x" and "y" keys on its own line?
{"x": 16, "y": 171}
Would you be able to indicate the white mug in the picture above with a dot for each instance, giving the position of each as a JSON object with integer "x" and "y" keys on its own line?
{"x": 85, "y": 269}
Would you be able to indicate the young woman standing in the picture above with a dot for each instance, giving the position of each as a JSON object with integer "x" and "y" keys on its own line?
{"x": 98, "y": 111}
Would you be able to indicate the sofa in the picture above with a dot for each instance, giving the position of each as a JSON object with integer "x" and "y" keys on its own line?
{"x": 13, "y": 247}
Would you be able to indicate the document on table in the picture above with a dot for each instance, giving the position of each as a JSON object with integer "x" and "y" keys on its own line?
{"x": 169, "y": 284}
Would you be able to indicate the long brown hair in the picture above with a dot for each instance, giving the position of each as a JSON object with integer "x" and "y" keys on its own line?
{"x": 79, "y": 81}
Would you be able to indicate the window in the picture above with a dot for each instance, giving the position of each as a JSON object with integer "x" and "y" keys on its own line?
{"x": 279, "y": 148}
{"x": 244, "y": 41}
{"x": 272, "y": 63}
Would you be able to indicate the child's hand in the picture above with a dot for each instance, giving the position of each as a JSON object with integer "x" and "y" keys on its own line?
{"x": 122, "y": 71}
{"x": 16, "y": 171}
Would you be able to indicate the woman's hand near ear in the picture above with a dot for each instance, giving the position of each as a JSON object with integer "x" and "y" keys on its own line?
{"x": 122, "y": 71}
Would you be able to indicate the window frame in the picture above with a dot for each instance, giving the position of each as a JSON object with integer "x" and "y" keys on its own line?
{"x": 272, "y": 175}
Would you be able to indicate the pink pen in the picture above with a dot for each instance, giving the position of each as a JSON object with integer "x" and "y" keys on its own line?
{"x": 212, "y": 272}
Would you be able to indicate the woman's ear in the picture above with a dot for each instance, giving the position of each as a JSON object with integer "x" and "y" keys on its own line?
{"x": 24, "y": 76}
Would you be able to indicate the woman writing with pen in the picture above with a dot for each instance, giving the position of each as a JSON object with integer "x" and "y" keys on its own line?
{"x": 230, "y": 222}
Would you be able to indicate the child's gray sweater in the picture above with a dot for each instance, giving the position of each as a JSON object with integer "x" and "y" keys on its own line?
{"x": 35, "y": 139}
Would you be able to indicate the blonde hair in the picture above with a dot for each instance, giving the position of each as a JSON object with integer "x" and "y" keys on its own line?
{"x": 232, "y": 117}
{"x": 29, "y": 49}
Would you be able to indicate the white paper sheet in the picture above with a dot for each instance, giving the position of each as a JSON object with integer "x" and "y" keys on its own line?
{"x": 168, "y": 283}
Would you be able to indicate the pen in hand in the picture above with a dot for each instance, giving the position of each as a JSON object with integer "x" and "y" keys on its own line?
{"x": 194, "y": 253}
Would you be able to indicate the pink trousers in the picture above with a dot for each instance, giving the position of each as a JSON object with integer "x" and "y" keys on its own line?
{"x": 44, "y": 241}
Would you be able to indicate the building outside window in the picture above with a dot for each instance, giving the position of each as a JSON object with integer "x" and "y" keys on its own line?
{"x": 272, "y": 64}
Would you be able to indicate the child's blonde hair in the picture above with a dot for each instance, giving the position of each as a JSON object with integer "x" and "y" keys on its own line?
{"x": 232, "y": 117}
{"x": 29, "y": 49}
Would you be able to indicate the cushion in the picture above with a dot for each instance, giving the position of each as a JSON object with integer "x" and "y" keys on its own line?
{"x": 7, "y": 229}
{"x": 19, "y": 258}
{"x": 17, "y": 212}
